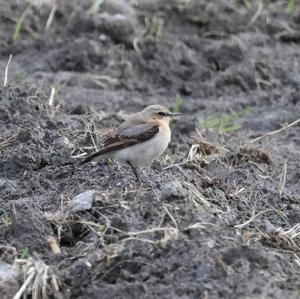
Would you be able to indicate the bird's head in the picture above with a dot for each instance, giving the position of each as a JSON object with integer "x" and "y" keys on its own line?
{"x": 158, "y": 113}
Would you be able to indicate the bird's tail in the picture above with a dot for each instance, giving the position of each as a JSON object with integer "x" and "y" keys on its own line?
{"x": 96, "y": 156}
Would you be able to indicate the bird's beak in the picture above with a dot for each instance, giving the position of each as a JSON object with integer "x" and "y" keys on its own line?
{"x": 171, "y": 114}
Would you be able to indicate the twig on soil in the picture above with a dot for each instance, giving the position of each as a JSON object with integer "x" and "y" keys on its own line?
{"x": 171, "y": 216}
{"x": 198, "y": 195}
{"x": 253, "y": 217}
{"x": 282, "y": 179}
{"x": 293, "y": 232}
{"x": 237, "y": 192}
{"x": 170, "y": 233}
{"x": 51, "y": 98}
{"x": 135, "y": 45}
{"x": 280, "y": 213}
{"x": 257, "y": 166}
{"x": 274, "y": 132}
{"x": 240, "y": 43}
{"x": 181, "y": 170}
{"x": 264, "y": 177}
{"x": 260, "y": 81}
{"x": 79, "y": 155}
{"x": 92, "y": 138}
{"x": 178, "y": 165}
{"x": 140, "y": 239}
{"x": 290, "y": 235}
{"x": 297, "y": 259}
{"x": 197, "y": 225}
{"x": 133, "y": 233}
{"x": 258, "y": 12}
{"x": 174, "y": 165}
{"x": 104, "y": 81}
{"x": 5, "y": 142}
{"x": 150, "y": 230}
{"x": 6, "y": 70}
{"x": 51, "y": 17}
{"x": 287, "y": 30}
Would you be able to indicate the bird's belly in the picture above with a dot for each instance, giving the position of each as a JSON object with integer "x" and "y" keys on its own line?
{"x": 145, "y": 152}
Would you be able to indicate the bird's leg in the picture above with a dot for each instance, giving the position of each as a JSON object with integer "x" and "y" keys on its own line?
{"x": 134, "y": 171}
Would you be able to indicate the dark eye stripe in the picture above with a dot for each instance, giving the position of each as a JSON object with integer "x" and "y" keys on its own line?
{"x": 161, "y": 113}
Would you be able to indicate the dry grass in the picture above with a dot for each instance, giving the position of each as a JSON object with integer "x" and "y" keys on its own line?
{"x": 8, "y": 140}
{"x": 40, "y": 279}
{"x": 202, "y": 149}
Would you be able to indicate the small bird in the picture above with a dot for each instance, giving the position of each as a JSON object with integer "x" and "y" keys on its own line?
{"x": 139, "y": 140}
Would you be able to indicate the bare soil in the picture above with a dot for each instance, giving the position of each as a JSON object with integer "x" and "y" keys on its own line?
{"x": 223, "y": 225}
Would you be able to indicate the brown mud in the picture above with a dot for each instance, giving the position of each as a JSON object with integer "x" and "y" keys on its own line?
{"x": 224, "y": 225}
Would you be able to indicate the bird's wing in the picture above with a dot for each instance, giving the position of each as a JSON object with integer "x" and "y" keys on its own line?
{"x": 126, "y": 136}
{"x": 138, "y": 133}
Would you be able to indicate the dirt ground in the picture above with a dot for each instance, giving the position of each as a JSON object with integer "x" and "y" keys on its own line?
{"x": 217, "y": 216}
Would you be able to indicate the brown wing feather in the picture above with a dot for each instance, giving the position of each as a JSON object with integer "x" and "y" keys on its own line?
{"x": 125, "y": 139}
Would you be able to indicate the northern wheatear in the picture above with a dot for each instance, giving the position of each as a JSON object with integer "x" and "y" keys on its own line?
{"x": 139, "y": 140}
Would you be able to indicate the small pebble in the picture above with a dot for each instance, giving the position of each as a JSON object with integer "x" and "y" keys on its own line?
{"x": 83, "y": 201}
{"x": 63, "y": 141}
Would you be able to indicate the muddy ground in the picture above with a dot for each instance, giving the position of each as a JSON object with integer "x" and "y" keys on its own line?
{"x": 208, "y": 221}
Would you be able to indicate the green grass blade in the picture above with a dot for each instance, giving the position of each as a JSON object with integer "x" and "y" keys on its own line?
{"x": 95, "y": 6}
{"x": 5, "y": 218}
{"x": 229, "y": 129}
{"x": 225, "y": 123}
{"x": 212, "y": 122}
{"x": 291, "y": 6}
{"x": 20, "y": 22}
{"x": 177, "y": 106}
{"x": 24, "y": 253}
{"x": 247, "y": 3}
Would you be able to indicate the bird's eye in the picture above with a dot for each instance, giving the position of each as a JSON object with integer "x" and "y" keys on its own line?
{"x": 161, "y": 113}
